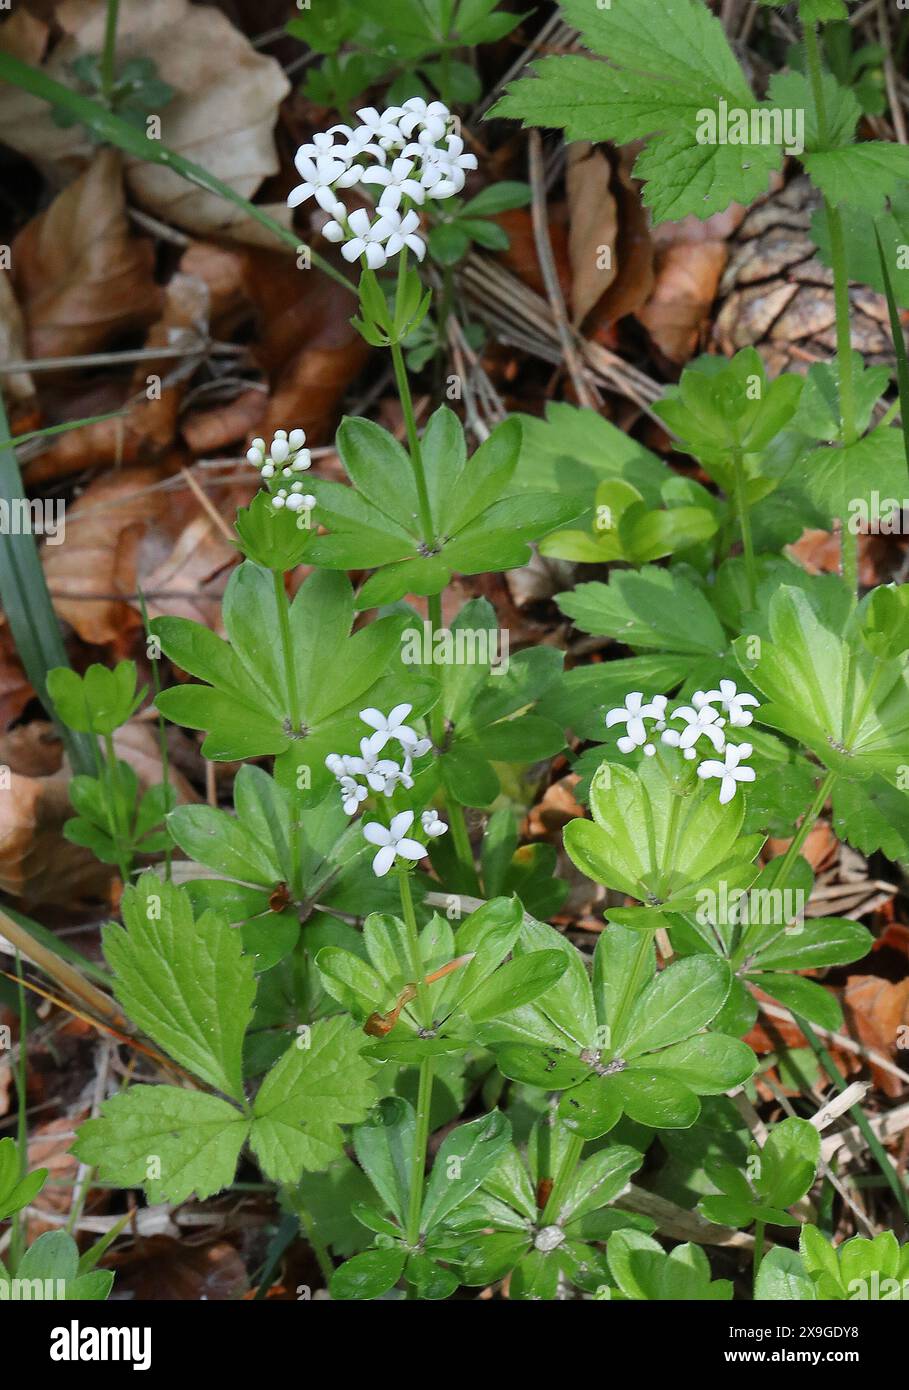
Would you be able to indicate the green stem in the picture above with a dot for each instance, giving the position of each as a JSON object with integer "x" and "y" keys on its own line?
{"x": 109, "y": 53}
{"x": 874, "y": 1144}
{"x": 570, "y": 1160}
{"x": 758, "y": 1250}
{"x": 316, "y": 1243}
{"x": 781, "y": 874}
{"x": 672, "y": 822}
{"x": 420, "y": 1146}
{"x": 162, "y": 727}
{"x": 296, "y": 713}
{"x": 120, "y": 831}
{"x": 848, "y": 540}
{"x": 437, "y": 713}
{"x": 413, "y": 441}
{"x": 632, "y": 987}
{"x": 17, "y": 1238}
{"x": 461, "y": 840}
{"x": 424, "y": 1007}
{"x": 741, "y": 502}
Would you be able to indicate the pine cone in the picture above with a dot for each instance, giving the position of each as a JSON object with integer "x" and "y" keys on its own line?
{"x": 776, "y": 295}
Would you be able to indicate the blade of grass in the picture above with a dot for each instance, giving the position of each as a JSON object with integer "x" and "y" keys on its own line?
{"x": 60, "y": 947}
{"x": 27, "y": 603}
{"x": 899, "y": 345}
{"x": 114, "y": 130}
{"x": 18, "y": 439}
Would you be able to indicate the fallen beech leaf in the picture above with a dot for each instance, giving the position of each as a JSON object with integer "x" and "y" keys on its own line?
{"x": 207, "y": 431}
{"x": 222, "y": 115}
{"x": 151, "y": 401}
{"x": 88, "y": 561}
{"x": 17, "y": 386}
{"x": 521, "y": 256}
{"x": 593, "y": 227}
{"x": 15, "y": 690}
{"x": 126, "y": 532}
{"x": 161, "y": 1269}
{"x": 633, "y": 282}
{"x": 877, "y": 1014}
{"x": 677, "y": 313}
{"x": 49, "y": 1147}
{"x": 305, "y": 342}
{"x": 81, "y": 277}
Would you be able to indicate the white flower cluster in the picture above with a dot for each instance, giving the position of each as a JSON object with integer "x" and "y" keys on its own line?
{"x": 383, "y": 775}
{"x": 701, "y": 720}
{"x": 285, "y": 457}
{"x": 407, "y": 151}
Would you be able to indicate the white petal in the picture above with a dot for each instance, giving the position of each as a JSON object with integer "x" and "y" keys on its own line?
{"x": 398, "y": 715}
{"x": 383, "y": 861}
{"x": 410, "y": 849}
{"x": 401, "y": 823}
{"x": 353, "y": 250}
{"x": 376, "y": 834}
{"x": 376, "y": 256}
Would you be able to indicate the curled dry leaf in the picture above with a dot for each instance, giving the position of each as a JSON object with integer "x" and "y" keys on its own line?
{"x": 37, "y": 864}
{"x": 593, "y": 227}
{"x": 677, "y": 313}
{"x": 81, "y": 278}
{"x": 877, "y": 1014}
{"x": 151, "y": 402}
{"x": 17, "y": 386}
{"x": 15, "y": 690}
{"x": 222, "y": 114}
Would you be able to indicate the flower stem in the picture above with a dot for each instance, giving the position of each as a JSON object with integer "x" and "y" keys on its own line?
{"x": 109, "y": 53}
{"x": 741, "y": 502}
{"x": 848, "y": 539}
{"x": 316, "y": 1243}
{"x": 413, "y": 441}
{"x": 296, "y": 713}
{"x": 781, "y": 875}
{"x": 758, "y": 1250}
{"x": 424, "y": 1008}
{"x": 420, "y": 1146}
{"x": 120, "y": 832}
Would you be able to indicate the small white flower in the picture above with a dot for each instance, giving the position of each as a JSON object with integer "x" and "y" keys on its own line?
{"x": 397, "y": 182}
{"x": 351, "y": 795}
{"x": 379, "y": 126}
{"x": 323, "y": 146}
{"x": 403, "y": 233}
{"x": 704, "y": 721}
{"x": 393, "y": 843}
{"x": 444, "y": 171}
{"x": 367, "y": 237}
{"x": 336, "y": 765}
{"x": 432, "y": 118}
{"x": 321, "y": 176}
{"x": 632, "y": 714}
{"x": 732, "y": 700}
{"x": 729, "y": 771}
{"x": 388, "y": 727}
{"x": 432, "y": 824}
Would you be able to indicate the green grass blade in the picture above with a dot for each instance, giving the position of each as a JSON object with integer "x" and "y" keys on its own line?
{"x": 27, "y": 604}
{"x": 899, "y": 346}
{"x": 113, "y": 130}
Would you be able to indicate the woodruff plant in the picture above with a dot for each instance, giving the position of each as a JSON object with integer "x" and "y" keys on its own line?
{"x": 331, "y": 977}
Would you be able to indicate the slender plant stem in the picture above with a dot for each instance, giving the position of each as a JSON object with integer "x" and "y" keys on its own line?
{"x": 672, "y": 822}
{"x": 861, "y": 1119}
{"x": 109, "y": 53}
{"x": 413, "y": 441}
{"x": 162, "y": 727}
{"x": 121, "y": 835}
{"x": 437, "y": 713}
{"x": 829, "y": 1065}
{"x": 17, "y": 1240}
{"x": 848, "y": 539}
{"x": 296, "y": 713}
{"x": 814, "y": 810}
{"x": 420, "y": 1145}
{"x": 758, "y": 1249}
{"x": 570, "y": 1160}
{"x": 424, "y": 1007}
{"x": 741, "y": 501}
{"x": 461, "y": 840}
{"x": 316, "y": 1243}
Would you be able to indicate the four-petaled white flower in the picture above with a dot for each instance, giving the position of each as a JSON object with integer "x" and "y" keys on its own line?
{"x": 396, "y": 182}
{"x": 732, "y": 700}
{"x": 404, "y": 233}
{"x": 389, "y": 726}
{"x": 365, "y": 238}
{"x": 432, "y": 118}
{"x": 632, "y": 714}
{"x": 393, "y": 842}
{"x": 730, "y": 771}
{"x": 444, "y": 171}
{"x": 351, "y": 794}
{"x": 380, "y": 126}
{"x": 320, "y": 178}
{"x": 704, "y": 721}
{"x": 432, "y": 824}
